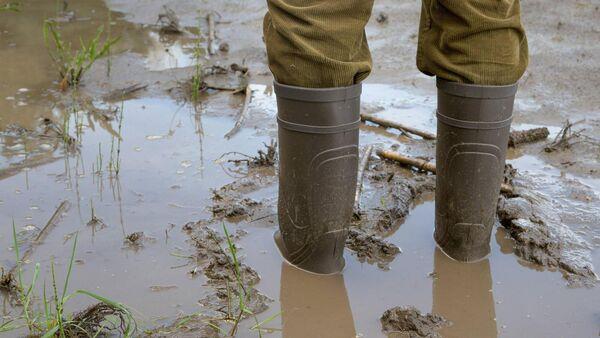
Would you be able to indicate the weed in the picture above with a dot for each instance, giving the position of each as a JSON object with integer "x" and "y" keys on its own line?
{"x": 242, "y": 294}
{"x": 73, "y": 64}
{"x": 10, "y": 7}
{"x": 114, "y": 164}
{"x": 197, "y": 78}
{"x": 98, "y": 319}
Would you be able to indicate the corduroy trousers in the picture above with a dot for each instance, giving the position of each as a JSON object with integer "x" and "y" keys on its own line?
{"x": 322, "y": 43}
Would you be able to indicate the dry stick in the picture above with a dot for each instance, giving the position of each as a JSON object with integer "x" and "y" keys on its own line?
{"x": 242, "y": 115}
{"x": 391, "y": 124}
{"x": 424, "y": 165}
{"x": 361, "y": 173}
{"x": 516, "y": 136}
{"x": 211, "y": 33}
{"x": 52, "y": 222}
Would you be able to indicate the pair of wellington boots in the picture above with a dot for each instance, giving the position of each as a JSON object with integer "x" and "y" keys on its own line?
{"x": 318, "y": 154}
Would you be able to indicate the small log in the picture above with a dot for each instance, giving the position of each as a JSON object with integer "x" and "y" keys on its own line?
{"x": 527, "y": 136}
{"x": 391, "y": 124}
{"x": 424, "y": 165}
{"x": 242, "y": 115}
{"x": 364, "y": 162}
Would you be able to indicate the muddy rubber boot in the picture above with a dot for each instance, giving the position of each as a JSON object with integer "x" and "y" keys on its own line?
{"x": 472, "y": 138}
{"x": 318, "y": 163}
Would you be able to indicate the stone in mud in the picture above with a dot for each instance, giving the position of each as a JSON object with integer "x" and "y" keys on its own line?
{"x": 410, "y": 321}
{"x": 371, "y": 248}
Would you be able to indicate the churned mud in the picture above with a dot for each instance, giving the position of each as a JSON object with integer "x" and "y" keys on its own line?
{"x": 187, "y": 95}
{"x": 410, "y": 322}
{"x": 542, "y": 238}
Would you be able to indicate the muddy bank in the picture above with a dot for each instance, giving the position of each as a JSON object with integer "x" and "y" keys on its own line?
{"x": 233, "y": 297}
{"x": 410, "y": 322}
{"x": 541, "y": 238}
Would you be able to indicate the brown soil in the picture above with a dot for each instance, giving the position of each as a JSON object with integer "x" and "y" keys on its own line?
{"x": 410, "y": 322}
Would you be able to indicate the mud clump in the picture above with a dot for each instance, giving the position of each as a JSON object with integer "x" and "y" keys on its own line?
{"x": 398, "y": 192}
{"x": 223, "y": 272}
{"x": 230, "y": 209}
{"x": 409, "y": 320}
{"x": 371, "y": 248}
{"x": 136, "y": 238}
{"x": 7, "y": 281}
{"x": 541, "y": 238}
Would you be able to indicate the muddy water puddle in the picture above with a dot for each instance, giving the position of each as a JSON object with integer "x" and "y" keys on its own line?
{"x": 170, "y": 161}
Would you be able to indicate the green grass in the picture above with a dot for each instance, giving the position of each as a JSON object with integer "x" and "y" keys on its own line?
{"x": 114, "y": 165}
{"x": 197, "y": 78}
{"x": 53, "y": 321}
{"x": 72, "y": 64}
{"x": 242, "y": 294}
{"x": 10, "y": 7}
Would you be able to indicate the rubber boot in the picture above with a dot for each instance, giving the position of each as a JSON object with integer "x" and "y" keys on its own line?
{"x": 318, "y": 163}
{"x": 472, "y": 138}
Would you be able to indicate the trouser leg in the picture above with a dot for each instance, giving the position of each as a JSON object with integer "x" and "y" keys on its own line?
{"x": 318, "y": 43}
{"x": 472, "y": 41}
{"x": 477, "y": 50}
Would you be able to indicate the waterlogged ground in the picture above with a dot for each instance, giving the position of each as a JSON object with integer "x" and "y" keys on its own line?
{"x": 170, "y": 159}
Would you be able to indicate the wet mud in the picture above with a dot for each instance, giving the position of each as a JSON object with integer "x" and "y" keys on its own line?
{"x": 541, "y": 237}
{"x": 213, "y": 158}
{"x": 411, "y": 323}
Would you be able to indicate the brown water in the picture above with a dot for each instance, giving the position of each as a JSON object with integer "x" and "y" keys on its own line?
{"x": 169, "y": 165}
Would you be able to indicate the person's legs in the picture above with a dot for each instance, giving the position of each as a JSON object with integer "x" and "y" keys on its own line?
{"x": 318, "y": 54}
{"x": 318, "y": 43}
{"x": 477, "y": 50}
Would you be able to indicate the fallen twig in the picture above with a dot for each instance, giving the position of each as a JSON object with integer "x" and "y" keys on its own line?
{"x": 52, "y": 222}
{"x": 527, "y": 136}
{"x": 211, "y": 33}
{"x": 516, "y": 136}
{"x": 168, "y": 21}
{"x": 392, "y": 124}
{"x": 364, "y": 162}
{"x": 119, "y": 94}
{"x": 424, "y": 165}
{"x": 563, "y": 138}
{"x": 242, "y": 115}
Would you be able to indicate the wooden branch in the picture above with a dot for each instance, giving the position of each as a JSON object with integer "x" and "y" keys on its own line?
{"x": 391, "y": 124}
{"x": 516, "y": 136}
{"x": 364, "y": 162}
{"x": 211, "y": 33}
{"x": 424, "y": 165}
{"x": 527, "y": 136}
{"x": 52, "y": 222}
{"x": 242, "y": 115}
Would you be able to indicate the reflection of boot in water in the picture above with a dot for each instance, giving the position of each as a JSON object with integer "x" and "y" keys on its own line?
{"x": 462, "y": 293}
{"x": 314, "y": 306}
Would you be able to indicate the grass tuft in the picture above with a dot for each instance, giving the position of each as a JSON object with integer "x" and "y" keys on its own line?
{"x": 72, "y": 64}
